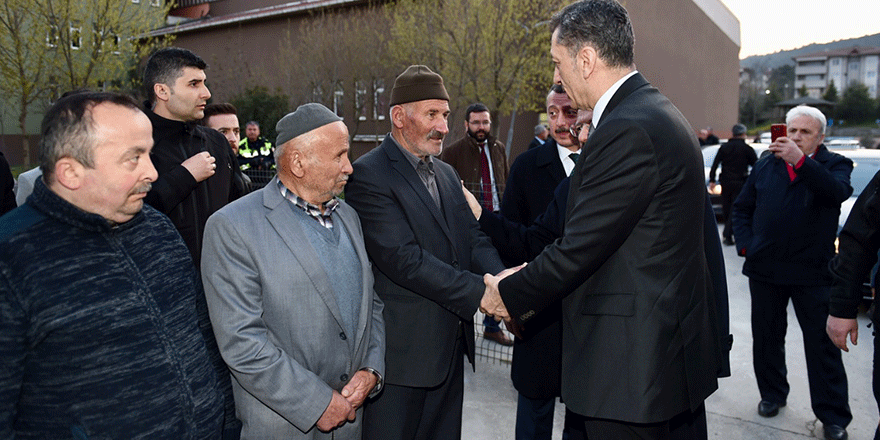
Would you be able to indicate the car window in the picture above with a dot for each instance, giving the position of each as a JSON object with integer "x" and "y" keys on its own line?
{"x": 862, "y": 173}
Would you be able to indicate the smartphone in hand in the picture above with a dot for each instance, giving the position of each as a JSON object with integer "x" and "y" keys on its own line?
{"x": 777, "y": 131}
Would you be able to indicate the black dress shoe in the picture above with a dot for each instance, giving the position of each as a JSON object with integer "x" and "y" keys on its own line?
{"x": 835, "y": 432}
{"x": 768, "y": 409}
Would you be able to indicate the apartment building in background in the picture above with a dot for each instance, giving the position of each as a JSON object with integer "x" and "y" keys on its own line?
{"x": 844, "y": 67}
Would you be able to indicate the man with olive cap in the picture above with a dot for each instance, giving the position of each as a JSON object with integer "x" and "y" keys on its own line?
{"x": 429, "y": 258}
{"x": 290, "y": 291}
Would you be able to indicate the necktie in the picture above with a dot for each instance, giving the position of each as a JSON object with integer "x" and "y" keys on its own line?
{"x": 486, "y": 180}
{"x": 574, "y": 157}
{"x": 426, "y": 173}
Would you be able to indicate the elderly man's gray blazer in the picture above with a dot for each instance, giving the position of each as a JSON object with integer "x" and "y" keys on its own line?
{"x": 276, "y": 319}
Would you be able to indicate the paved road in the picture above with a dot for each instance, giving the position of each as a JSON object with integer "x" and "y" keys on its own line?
{"x": 490, "y": 400}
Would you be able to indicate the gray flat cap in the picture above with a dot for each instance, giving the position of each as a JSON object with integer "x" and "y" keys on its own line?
{"x": 304, "y": 119}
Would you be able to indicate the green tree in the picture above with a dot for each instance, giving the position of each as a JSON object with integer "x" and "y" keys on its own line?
{"x": 856, "y": 105}
{"x": 489, "y": 51}
{"x": 803, "y": 91}
{"x": 258, "y": 104}
{"x": 781, "y": 81}
{"x": 48, "y": 47}
{"x": 22, "y": 62}
{"x": 830, "y": 94}
{"x": 97, "y": 41}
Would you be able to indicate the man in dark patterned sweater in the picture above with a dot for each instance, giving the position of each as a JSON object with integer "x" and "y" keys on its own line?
{"x": 100, "y": 337}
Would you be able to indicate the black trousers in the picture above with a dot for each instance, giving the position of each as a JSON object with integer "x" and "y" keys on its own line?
{"x": 685, "y": 426}
{"x": 407, "y": 413}
{"x": 829, "y": 395}
{"x": 729, "y": 193}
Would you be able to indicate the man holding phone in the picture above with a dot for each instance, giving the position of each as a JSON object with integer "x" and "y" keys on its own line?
{"x": 784, "y": 223}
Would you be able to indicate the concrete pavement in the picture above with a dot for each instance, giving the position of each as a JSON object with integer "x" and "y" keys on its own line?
{"x": 490, "y": 400}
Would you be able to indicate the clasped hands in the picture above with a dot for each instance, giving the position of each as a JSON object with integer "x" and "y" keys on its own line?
{"x": 492, "y": 304}
{"x": 343, "y": 405}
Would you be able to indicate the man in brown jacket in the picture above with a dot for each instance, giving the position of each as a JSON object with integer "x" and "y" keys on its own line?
{"x": 481, "y": 162}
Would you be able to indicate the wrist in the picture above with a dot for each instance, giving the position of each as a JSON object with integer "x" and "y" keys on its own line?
{"x": 379, "y": 381}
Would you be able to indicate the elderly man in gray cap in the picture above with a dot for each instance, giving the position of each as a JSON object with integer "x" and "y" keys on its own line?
{"x": 429, "y": 258}
{"x": 290, "y": 291}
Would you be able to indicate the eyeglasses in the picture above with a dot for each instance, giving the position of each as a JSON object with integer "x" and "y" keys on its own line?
{"x": 575, "y": 129}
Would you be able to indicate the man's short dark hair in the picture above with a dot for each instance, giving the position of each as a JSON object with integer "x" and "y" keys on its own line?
{"x": 166, "y": 65}
{"x": 474, "y": 108}
{"x": 68, "y": 129}
{"x": 213, "y": 109}
{"x": 602, "y": 24}
{"x": 252, "y": 123}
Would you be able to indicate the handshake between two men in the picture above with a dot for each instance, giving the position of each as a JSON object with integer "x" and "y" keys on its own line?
{"x": 492, "y": 304}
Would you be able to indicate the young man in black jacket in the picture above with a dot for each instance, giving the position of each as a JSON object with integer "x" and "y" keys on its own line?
{"x": 195, "y": 167}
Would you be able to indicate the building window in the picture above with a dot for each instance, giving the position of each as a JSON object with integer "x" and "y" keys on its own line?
{"x": 75, "y": 36}
{"x": 338, "y": 96}
{"x": 114, "y": 43}
{"x": 835, "y": 62}
{"x": 871, "y": 74}
{"x": 380, "y": 102}
{"x": 52, "y": 36}
{"x": 360, "y": 100}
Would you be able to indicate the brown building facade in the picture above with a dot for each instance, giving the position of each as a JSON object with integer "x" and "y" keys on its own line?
{"x": 689, "y": 49}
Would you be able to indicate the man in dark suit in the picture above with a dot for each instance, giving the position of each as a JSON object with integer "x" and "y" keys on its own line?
{"x": 785, "y": 222}
{"x": 536, "y": 356}
{"x": 541, "y": 135}
{"x": 480, "y": 160}
{"x": 735, "y": 158}
{"x": 638, "y": 348}
{"x": 426, "y": 249}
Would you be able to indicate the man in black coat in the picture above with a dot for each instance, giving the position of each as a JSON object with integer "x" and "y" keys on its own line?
{"x": 785, "y": 221}
{"x": 195, "y": 163}
{"x": 859, "y": 244}
{"x": 536, "y": 356}
{"x": 639, "y": 346}
{"x": 195, "y": 167}
{"x": 735, "y": 157}
{"x": 7, "y": 196}
{"x": 541, "y": 136}
{"x": 428, "y": 258}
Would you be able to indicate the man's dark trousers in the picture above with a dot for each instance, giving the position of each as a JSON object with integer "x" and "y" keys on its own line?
{"x": 729, "y": 191}
{"x": 825, "y": 372}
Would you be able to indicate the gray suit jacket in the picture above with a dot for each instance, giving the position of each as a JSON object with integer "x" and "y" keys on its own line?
{"x": 276, "y": 319}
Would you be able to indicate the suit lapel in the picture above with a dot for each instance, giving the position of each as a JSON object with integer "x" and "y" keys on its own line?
{"x": 548, "y": 158}
{"x": 282, "y": 220}
{"x": 411, "y": 177}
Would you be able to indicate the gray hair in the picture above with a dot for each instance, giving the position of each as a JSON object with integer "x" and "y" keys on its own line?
{"x": 68, "y": 130}
{"x": 805, "y": 110}
{"x": 540, "y": 129}
{"x": 601, "y": 24}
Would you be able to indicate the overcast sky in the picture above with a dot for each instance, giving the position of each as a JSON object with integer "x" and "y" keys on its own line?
{"x": 772, "y": 25}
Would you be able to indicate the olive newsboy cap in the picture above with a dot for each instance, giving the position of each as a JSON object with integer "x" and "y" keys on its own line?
{"x": 417, "y": 83}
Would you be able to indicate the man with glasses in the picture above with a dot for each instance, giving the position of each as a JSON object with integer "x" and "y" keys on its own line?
{"x": 481, "y": 162}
